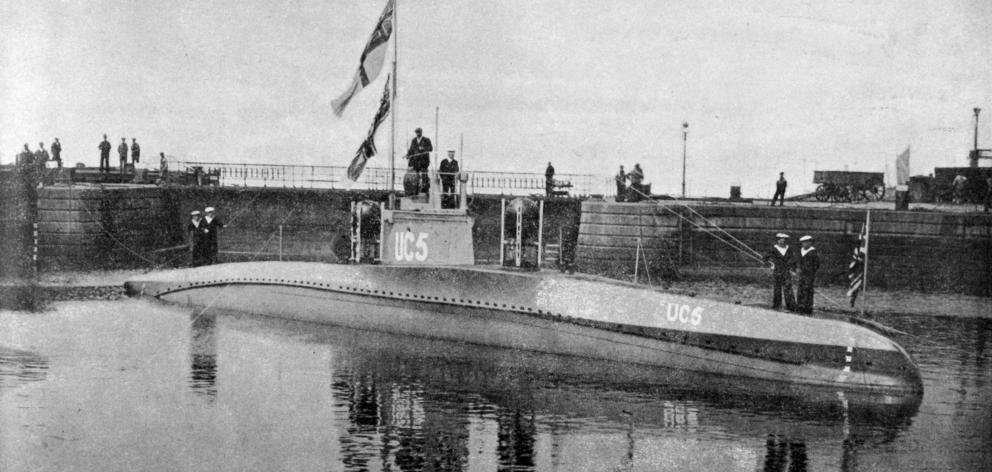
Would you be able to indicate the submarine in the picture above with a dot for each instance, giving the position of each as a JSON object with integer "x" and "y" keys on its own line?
{"x": 412, "y": 272}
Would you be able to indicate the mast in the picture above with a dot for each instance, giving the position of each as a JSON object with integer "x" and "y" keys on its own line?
{"x": 392, "y": 105}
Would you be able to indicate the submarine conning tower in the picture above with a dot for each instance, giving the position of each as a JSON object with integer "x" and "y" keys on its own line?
{"x": 415, "y": 229}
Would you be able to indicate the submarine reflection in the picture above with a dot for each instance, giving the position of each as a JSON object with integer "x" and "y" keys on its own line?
{"x": 401, "y": 403}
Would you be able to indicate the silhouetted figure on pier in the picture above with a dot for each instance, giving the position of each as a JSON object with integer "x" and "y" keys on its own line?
{"x": 419, "y": 157}
{"x": 621, "y": 181}
{"x": 41, "y": 156}
{"x": 783, "y": 260}
{"x": 104, "y": 155}
{"x": 780, "y": 186}
{"x": 26, "y": 157}
{"x": 122, "y": 150}
{"x": 636, "y": 177}
{"x": 57, "y": 153}
{"x": 549, "y": 180}
{"x": 135, "y": 151}
{"x": 808, "y": 264}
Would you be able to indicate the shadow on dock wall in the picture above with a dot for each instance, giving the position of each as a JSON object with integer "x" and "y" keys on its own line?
{"x": 921, "y": 251}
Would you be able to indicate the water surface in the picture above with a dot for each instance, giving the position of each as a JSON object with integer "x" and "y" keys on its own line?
{"x": 137, "y": 385}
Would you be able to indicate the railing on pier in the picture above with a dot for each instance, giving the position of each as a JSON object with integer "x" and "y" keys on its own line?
{"x": 377, "y": 178}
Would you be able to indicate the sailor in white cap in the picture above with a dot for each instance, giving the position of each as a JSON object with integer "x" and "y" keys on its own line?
{"x": 196, "y": 238}
{"x": 783, "y": 261}
{"x": 211, "y": 226}
{"x": 809, "y": 263}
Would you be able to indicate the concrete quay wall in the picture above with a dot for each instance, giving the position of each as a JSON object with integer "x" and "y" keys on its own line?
{"x": 908, "y": 250}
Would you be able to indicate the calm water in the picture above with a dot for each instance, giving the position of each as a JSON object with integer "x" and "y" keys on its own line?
{"x": 136, "y": 385}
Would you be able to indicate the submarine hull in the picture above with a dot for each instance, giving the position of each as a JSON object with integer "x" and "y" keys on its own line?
{"x": 578, "y": 316}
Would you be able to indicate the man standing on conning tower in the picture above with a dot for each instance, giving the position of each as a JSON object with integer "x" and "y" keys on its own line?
{"x": 419, "y": 157}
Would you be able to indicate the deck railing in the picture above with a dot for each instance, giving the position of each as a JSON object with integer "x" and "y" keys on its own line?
{"x": 377, "y": 178}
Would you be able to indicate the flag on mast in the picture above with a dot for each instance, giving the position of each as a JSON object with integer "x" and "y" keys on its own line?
{"x": 373, "y": 58}
{"x": 856, "y": 269}
{"x": 367, "y": 149}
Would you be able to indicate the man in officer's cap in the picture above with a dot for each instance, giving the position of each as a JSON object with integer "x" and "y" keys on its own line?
{"x": 783, "y": 261}
{"x": 197, "y": 239}
{"x": 809, "y": 263}
{"x": 212, "y": 226}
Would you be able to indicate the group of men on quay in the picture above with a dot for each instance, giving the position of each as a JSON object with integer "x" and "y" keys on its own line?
{"x": 41, "y": 157}
{"x": 787, "y": 262}
{"x": 203, "y": 230}
{"x": 637, "y": 191}
{"x": 122, "y": 150}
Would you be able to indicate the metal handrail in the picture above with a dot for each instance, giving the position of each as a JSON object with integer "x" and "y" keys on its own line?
{"x": 377, "y": 178}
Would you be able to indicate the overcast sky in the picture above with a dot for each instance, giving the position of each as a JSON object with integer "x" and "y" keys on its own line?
{"x": 765, "y": 86}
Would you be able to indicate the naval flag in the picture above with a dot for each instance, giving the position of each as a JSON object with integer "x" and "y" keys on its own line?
{"x": 367, "y": 148}
{"x": 856, "y": 269}
{"x": 373, "y": 57}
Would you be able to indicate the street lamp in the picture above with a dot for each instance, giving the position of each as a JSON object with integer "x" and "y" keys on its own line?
{"x": 685, "y": 136}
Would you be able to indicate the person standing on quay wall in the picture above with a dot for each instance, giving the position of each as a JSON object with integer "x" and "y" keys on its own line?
{"x": 621, "y": 180}
{"x": 212, "y": 225}
{"x": 26, "y": 157}
{"x": 122, "y": 150}
{"x": 957, "y": 186}
{"x": 419, "y": 157}
{"x": 636, "y": 177}
{"x": 57, "y": 152}
{"x": 549, "y": 179}
{"x": 782, "y": 258}
{"x": 104, "y": 155}
{"x": 809, "y": 263}
{"x": 197, "y": 239}
{"x": 41, "y": 156}
{"x": 780, "y": 186}
{"x": 135, "y": 151}
{"x": 163, "y": 166}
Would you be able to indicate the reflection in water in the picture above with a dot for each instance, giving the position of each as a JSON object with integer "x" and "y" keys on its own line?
{"x": 18, "y": 367}
{"x": 203, "y": 355}
{"x": 783, "y": 454}
{"x": 416, "y": 404}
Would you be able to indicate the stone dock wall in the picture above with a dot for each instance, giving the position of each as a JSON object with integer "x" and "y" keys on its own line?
{"x": 925, "y": 251}
{"x": 103, "y": 227}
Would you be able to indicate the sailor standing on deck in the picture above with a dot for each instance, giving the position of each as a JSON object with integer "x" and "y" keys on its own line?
{"x": 212, "y": 225}
{"x": 419, "y": 156}
{"x": 197, "y": 239}
{"x": 783, "y": 260}
{"x": 809, "y": 263}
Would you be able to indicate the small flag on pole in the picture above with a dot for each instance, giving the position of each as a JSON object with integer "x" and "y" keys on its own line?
{"x": 367, "y": 149}
{"x": 372, "y": 60}
{"x": 856, "y": 269}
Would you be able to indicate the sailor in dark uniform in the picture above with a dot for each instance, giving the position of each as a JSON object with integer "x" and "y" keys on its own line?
{"x": 809, "y": 263}
{"x": 197, "y": 239}
{"x": 783, "y": 261}
{"x": 419, "y": 156}
{"x": 212, "y": 225}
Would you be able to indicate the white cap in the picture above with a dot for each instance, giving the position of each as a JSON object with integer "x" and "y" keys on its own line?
{"x": 208, "y": 209}
{"x": 806, "y": 238}
{"x": 781, "y": 236}
{"x": 194, "y": 212}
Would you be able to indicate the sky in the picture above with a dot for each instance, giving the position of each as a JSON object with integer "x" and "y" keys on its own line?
{"x": 765, "y": 86}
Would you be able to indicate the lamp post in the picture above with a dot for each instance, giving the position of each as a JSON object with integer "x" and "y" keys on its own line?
{"x": 685, "y": 137}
